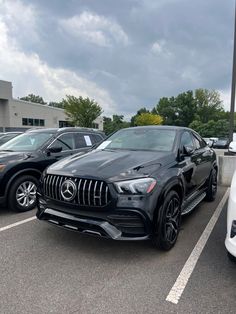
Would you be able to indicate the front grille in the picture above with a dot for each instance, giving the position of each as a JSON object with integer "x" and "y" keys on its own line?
{"x": 88, "y": 192}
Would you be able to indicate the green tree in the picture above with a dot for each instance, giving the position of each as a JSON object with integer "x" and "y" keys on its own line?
{"x": 81, "y": 111}
{"x": 113, "y": 124}
{"x": 148, "y": 119}
{"x": 209, "y": 104}
{"x": 203, "y": 105}
{"x": 56, "y": 104}
{"x": 139, "y": 112}
{"x": 166, "y": 108}
{"x": 33, "y": 98}
{"x": 185, "y": 107}
{"x": 212, "y": 128}
{"x": 179, "y": 110}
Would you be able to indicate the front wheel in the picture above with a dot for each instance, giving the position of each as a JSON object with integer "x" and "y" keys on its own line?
{"x": 22, "y": 194}
{"x": 212, "y": 186}
{"x": 166, "y": 229}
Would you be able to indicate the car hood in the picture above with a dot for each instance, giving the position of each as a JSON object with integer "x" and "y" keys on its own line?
{"x": 8, "y": 156}
{"x": 112, "y": 165}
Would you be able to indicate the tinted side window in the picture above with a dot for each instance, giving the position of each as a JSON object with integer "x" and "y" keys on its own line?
{"x": 83, "y": 140}
{"x": 197, "y": 143}
{"x": 66, "y": 141}
{"x": 203, "y": 143}
{"x": 96, "y": 138}
{"x": 200, "y": 142}
{"x": 186, "y": 139}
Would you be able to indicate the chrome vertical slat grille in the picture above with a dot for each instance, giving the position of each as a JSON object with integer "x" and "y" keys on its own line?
{"x": 78, "y": 191}
{"x": 89, "y": 192}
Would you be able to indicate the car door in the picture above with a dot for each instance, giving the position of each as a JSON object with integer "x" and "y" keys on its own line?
{"x": 197, "y": 165}
{"x": 66, "y": 142}
{"x": 189, "y": 162}
{"x": 203, "y": 157}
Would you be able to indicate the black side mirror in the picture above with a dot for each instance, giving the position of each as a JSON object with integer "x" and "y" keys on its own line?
{"x": 53, "y": 150}
{"x": 188, "y": 150}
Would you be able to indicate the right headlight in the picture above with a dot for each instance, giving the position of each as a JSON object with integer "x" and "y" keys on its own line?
{"x": 136, "y": 186}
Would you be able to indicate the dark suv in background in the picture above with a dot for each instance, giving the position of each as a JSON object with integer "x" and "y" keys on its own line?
{"x": 135, "y": 185}
{"x": 5, "y": 137}
{"x": 23, "y": 159}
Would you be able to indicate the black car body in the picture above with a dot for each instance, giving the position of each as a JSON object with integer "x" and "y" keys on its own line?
{"x": 24, "y": 158}
{"x": 134, "y": 186}
{"x": 5, "y": 137}
{"x": 221, "y": 144}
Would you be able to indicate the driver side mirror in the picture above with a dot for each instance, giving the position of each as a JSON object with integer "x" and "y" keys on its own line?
{"x": 53, "y": 150}
{"x": 188, "y": 150}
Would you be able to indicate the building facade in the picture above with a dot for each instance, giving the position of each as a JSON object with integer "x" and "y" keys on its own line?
{"x": 19, "y": 115}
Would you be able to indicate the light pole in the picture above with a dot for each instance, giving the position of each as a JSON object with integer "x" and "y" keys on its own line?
{"x": 232, "y": 106}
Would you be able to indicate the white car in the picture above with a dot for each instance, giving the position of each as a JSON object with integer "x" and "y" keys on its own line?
{"x": 230, "y": 241}
{"x": 232, "y": 147}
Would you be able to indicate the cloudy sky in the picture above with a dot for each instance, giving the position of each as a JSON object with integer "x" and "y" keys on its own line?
{"x": 125, "y": 54}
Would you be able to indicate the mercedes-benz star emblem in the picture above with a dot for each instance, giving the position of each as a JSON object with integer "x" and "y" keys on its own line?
{"x": 68, "y": 190}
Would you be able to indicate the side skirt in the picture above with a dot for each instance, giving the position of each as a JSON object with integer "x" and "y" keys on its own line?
{"x": 189, "y": 205}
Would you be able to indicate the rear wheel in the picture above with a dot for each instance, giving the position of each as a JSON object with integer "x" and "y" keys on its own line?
{"x": 22, "y": 194}
{"x": 166, "y": 230}
{"x": 212, "y": 186}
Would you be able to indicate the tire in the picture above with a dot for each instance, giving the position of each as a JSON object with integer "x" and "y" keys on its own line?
{"x": 166, "y": 228}
{"x": 212, "y": 186}
{"x": 22, "y": 194}
{"x": 231, "y": 257}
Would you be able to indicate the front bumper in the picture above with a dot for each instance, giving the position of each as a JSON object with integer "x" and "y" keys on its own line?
{"x": 119, "y": 220}
{"x": 86, "y": 225}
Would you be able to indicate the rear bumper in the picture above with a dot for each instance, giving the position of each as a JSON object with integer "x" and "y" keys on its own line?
{"x": 86, "y": 225}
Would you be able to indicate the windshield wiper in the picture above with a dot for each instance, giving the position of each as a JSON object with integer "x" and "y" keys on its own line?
{"x": 6, "y": 150}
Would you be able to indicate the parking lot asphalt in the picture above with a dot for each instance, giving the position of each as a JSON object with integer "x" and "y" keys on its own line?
{"x": 45, "y": 269}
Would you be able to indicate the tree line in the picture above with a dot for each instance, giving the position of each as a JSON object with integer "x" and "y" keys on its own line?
{"x": 201, "y": 110}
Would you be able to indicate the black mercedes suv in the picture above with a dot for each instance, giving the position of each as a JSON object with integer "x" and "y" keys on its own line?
{"x": 135, "y": 185}
{"x": 23, "y": 159}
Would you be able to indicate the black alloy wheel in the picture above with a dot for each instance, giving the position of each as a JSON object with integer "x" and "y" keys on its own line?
{"x": 167, "y": 229}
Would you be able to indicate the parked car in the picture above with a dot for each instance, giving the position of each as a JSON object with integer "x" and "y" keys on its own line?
{"x": 232, "y": 147}
{"x": 23, "y": 159}
{"x": 5, "y": 137}
{"x": 221, "y": 144}
{"x": 230, "y": 241}
{"x": 208, "y": 141}
{"x": 133, "y": 186}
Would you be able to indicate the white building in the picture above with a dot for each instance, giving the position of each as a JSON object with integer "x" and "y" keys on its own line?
{"x": 18, "y": 115}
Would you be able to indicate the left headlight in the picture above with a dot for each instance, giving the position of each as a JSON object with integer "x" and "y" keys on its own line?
{"x": 136, "y": 186}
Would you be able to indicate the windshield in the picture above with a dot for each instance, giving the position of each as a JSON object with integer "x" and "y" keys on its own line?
{"x": 26, "y": 142}
{"x": 141, "y": 139}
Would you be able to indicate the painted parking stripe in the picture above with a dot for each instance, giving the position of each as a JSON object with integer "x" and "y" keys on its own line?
{"x": 182, "y": 280}
{"x": 21, "y": 222}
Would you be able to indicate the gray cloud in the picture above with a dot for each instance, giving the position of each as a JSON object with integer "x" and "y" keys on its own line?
{"x": 136, "y": 50}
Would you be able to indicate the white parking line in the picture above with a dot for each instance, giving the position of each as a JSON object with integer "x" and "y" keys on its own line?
{"x": 182, "y": 280}
{"x": 17, "y": 223}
